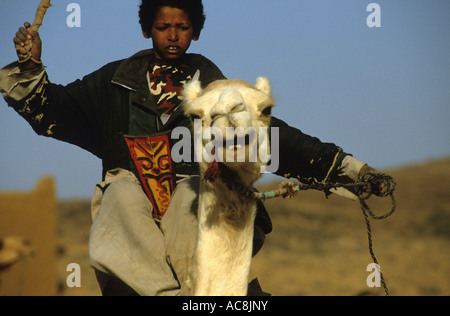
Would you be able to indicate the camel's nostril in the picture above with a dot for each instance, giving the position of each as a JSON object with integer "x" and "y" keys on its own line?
{"x": 238, "y": 108}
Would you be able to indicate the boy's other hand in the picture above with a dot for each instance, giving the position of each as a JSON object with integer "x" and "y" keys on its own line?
{"x": 382, "y": 185}
{"x": 26, "y": 40}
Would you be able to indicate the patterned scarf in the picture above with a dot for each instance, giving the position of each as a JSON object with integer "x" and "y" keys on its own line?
{"x": 166, "y": 84}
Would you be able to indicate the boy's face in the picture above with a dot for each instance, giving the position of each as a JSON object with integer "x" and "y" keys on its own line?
{"x": 171, "y": 33}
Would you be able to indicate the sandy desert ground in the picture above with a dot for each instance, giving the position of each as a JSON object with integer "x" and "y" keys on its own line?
{"x": 319, "y": 246}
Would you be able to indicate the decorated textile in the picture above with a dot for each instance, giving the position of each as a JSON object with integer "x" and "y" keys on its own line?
{"x": 151, "y": 156}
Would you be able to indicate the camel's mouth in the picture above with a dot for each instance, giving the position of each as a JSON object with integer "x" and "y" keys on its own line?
{"x": 238, "y": 142}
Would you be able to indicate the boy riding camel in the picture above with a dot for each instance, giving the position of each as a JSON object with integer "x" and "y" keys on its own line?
{"x": 130, "y": 245}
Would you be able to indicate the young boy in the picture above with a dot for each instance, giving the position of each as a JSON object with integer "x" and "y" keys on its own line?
{"x": 130, "y": 251}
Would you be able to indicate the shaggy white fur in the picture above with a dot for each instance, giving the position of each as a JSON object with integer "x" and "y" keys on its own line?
{"x": 223, "y": 254}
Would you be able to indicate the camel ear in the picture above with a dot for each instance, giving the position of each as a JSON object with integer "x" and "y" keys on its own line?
{"x": 192, "y": 90}
{"x": 263, "y": 84}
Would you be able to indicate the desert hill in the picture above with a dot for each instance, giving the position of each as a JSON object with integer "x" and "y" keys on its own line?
{"x": 319, "y": 246}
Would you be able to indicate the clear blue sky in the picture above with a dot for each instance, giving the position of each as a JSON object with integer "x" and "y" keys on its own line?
{"x": 380, "y": 93}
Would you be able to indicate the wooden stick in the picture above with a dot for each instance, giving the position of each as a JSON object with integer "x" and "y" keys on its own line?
{"x": 40, "y": 13}
{"x": 25, "y": 52}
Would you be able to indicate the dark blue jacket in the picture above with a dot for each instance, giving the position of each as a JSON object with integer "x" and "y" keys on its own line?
{"x": 96, "y": 112}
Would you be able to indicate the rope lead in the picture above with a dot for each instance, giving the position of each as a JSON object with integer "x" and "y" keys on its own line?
{"x": 369, "y": 184}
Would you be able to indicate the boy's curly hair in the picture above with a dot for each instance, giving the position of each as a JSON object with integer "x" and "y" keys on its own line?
{"x": 194, "y": 8}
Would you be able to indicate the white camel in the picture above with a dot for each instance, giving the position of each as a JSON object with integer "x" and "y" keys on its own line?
{"x": 228, "y": 168}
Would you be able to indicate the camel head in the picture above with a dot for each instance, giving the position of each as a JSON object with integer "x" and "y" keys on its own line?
{"x": 231, "y": 121}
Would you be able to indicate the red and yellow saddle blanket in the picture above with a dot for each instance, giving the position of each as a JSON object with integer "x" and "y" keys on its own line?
{"x": 151, "y": 156}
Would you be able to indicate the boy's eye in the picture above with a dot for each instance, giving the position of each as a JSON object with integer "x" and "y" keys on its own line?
{"x": 163, "y": 28}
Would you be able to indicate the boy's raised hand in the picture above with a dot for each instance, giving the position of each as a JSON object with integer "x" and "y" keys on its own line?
{"x": 27, "y": 40}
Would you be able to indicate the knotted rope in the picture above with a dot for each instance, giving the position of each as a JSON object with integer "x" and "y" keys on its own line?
{"x": 368, "y": 185}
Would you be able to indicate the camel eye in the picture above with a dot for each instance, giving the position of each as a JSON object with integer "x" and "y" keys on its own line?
{"x": 267, "y": 111}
